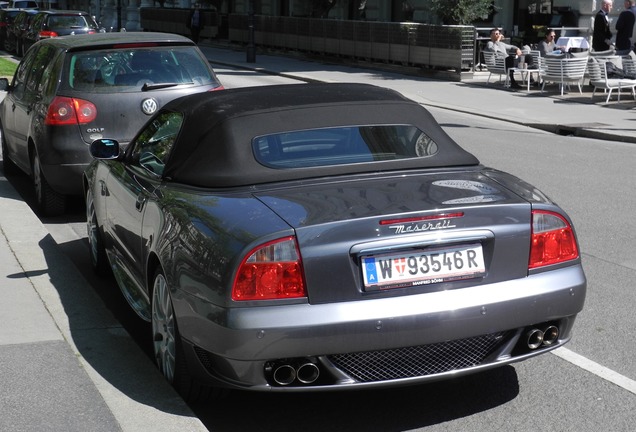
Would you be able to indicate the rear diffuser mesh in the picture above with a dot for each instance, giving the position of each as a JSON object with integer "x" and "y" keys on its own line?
{"x": 418, "y": 361}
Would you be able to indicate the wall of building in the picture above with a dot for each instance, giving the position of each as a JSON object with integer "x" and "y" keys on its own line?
{"x": 110, "y": 12}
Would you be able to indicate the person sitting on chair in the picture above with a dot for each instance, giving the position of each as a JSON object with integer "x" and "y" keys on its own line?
{"x": 510, "y": 52}
{"x": 547, "y": 45}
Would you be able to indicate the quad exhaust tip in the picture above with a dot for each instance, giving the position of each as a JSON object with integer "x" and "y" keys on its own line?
{"x": 536, "y": 337}
{"x": 286, "y": 373}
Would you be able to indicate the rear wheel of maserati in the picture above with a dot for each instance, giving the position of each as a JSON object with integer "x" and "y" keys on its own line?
{"x": 167, "y": 344}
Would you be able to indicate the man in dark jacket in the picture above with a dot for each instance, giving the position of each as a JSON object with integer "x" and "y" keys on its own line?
{"x": 602, "y": 36}
{"x": 625, "y": 28}
{"x": 195, "y": 22}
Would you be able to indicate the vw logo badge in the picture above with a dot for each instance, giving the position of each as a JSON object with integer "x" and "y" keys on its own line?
{"x": 149, "y": 106}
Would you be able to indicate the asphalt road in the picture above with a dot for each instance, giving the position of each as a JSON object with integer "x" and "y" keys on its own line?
{"x": 586, "y": 388}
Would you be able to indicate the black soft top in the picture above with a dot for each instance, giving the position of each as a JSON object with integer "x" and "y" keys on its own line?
{"x": 214, "y": 147}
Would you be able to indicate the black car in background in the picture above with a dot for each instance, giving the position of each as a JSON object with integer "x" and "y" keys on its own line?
{"x": 69, "y": 91}
{"x": 15, "y": 31}
{"x": 53, "y": 23}
{"x": 6, "y": 18}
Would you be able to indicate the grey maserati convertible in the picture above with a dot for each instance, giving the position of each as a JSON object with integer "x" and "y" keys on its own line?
{"x": 325, "y": 237}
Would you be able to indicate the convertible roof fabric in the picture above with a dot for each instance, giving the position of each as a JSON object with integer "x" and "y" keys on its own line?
{"x": 214, "y": 147}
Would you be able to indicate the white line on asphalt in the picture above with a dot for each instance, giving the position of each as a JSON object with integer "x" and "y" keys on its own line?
{"x": 595, "y": 368}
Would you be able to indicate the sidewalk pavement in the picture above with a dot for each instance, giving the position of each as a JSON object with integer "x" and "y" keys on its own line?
{"x": 67, "y": 364}
{"x": 572, "y": 114}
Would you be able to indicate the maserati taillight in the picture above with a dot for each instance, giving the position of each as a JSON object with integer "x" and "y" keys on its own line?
{"x": 70, "y": 111}
{"x": 553, "y": 240}
{"x": 269, "y": 272}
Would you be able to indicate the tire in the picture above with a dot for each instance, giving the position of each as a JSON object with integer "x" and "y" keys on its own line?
{"x": 7, "y": 164}
{"x": 48, "y": 201}
{"x": 99, "y": 260}
{"x": 168, "y": 346}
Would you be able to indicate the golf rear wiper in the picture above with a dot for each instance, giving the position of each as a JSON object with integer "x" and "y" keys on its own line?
{"x": 147, "y": 87}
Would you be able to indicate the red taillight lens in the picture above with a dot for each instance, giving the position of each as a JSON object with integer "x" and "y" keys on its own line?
{"x": 47, "y": 34}
{"x": 271, "y": 271}
{"x": 70, "y": 111}
{"x": 553, "y": 240}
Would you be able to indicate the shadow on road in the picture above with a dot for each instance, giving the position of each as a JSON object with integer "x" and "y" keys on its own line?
{"x": 370, "y": 410}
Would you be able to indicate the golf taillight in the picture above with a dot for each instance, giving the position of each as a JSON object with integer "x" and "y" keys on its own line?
{"x": 269, "y": 272}
{"x": 553, "y": 240}
{"x": 70, "y": 111}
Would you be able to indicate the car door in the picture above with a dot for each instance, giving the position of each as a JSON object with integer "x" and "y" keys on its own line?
{"x": 131, "y": 187}
{"x": 14, "y": 109}
{"x": 27, "y": 94}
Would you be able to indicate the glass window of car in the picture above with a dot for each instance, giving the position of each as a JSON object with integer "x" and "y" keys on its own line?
{"x": 21, "y": 75}
{"x": 342, "y": 145}
{"x": 50, "y": 79}
{"x": 37, "y": 22}
{"x": 152, "y": 147}
{"x": 127, "y": 68}
{"x": 69, "y": 21}
{"x": 43, "y": 58}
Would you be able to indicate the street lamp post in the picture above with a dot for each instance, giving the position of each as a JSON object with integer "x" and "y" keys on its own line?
{"x": 251, "y": 48}
{"x": 118, "y": 15}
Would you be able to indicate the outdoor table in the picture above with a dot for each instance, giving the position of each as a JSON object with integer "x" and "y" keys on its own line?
{"x": 573, "y": 42}
{"x": 526, "y": 74}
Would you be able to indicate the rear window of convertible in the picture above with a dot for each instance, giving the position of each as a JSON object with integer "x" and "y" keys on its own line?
{"x": 342, "y": 145}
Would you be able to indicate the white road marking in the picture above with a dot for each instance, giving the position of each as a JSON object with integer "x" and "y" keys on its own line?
{"x": 597, "y": 369}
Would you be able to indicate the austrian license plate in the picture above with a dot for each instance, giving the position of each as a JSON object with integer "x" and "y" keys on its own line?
{"x": 422, "y": 267}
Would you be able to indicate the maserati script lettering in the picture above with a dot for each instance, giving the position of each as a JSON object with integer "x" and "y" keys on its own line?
{"x": 426, "y": 226}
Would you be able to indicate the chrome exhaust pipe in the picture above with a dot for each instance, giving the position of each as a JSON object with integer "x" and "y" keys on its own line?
{"x": 534, "y": 338}
{"x": 284, "y": 375}
{"x": 307, "y": 373}
{"x": 550, "y": 335}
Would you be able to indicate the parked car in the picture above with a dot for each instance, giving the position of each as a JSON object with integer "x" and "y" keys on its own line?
{"x": 53, "y": 23}
{"x": 69, "y": 91}
{"x": 15, "y": 31}
{"x": 24, "y": 4}
{"x": 326, "y": 236}
{"x": 6, "y": 18}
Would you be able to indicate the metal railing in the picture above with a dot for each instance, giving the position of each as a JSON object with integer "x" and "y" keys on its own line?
{"x": 433, "y": 47}
{"x": 425, "y": 45}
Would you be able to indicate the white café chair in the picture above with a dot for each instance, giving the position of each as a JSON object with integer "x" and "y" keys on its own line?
{"x": 496, "y": 65}
{"x": 564, "y": 71}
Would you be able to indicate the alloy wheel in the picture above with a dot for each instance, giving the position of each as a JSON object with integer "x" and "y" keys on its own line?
{"x": 163, "y": 328}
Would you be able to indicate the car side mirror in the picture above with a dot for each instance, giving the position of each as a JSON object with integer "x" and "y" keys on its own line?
{"x": 105, "y": 149}
{"x": 4, "y": 84}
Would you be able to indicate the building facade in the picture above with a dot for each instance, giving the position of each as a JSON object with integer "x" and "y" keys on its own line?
{"x": 517, "y": 18}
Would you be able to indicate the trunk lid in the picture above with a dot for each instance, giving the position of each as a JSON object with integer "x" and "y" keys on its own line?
{"x": 341, "y": 223}
{"x": 120, "y": 115}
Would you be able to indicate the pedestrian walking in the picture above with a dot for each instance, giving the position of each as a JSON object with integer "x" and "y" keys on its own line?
{"x": 195, "y": 22}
